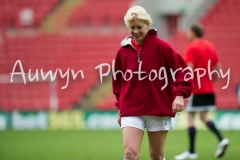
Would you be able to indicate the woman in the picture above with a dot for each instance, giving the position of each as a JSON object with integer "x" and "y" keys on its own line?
{"x": 145, "y": 102}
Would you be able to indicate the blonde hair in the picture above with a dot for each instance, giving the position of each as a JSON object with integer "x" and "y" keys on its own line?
{"x": 137, "y": 12}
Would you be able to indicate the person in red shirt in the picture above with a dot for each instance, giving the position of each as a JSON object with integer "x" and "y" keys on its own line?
{"x": 201, "y": 53}
{"x": 147, "y": 95}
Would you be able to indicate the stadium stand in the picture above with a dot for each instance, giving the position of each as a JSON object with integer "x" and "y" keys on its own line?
{"x": 80, "y": 51}
{"x": 222, "y": 30}
{"x": 77, "y": 51}
{"x": 99, "y": 13}
{"x": 50, "y": 53}
{"x": 10, "y": 11}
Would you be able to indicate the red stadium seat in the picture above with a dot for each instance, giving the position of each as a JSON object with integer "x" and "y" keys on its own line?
{"x": 50, "y": 53}
{"x": 9, "y": 11}
{"x": 99, "y": 13}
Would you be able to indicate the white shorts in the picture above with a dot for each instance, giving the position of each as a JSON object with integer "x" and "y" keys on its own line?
{"x": 151, "y": 123}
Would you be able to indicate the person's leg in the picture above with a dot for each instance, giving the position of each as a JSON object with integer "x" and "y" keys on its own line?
{"x": 191, "y": 131}
{"x": 210, "y": 125}
{"x": 190, "y": 154}
{"x": 132, "y": 139}
{"x": 156, "y": 144}
{"x": 223, "y": 142}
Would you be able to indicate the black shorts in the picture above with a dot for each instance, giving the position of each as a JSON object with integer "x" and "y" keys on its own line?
{"x": 203, "y": 99}
{"x": 201, "y": 102}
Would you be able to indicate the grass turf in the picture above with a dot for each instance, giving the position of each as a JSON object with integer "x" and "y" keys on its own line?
{"x": 101, "y": 145}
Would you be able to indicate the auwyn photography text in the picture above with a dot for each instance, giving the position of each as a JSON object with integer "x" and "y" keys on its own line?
{"x": 161, "y": 74}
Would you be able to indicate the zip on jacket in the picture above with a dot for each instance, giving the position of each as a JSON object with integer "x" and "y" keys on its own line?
{"x": 126, "y": 42}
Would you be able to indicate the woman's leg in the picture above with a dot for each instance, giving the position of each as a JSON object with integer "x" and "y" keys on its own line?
{"x": 132, "y": 139}
{"x": 156, "y": 144}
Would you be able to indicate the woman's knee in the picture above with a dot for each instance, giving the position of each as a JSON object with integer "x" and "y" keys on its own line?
{"x": 156, "y": 155}
{"x": 131, "y": 154}
{"x": 156, "y": 144}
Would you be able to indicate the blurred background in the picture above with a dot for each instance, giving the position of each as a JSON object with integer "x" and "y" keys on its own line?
{"x": 73, "y": 35}
{"x": 62, "y": 37}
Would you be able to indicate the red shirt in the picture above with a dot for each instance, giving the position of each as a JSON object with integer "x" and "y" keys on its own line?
{"x": 144, "y": 97}
{"x": 199, "y": 53}
{"x": 136, "y": 46}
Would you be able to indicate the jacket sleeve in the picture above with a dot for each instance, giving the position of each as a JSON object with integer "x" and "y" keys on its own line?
{"x": 183, "y": 87}
{"x": 117, "y": 79}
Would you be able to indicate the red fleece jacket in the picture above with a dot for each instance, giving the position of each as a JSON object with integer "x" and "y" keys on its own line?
{"x": 144, "y": 97}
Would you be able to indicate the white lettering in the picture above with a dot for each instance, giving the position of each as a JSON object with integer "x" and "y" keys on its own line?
{"x": 139, "y": 72}
{"x": 173, "y": 73}
{"x": 100, "y": 66}
{"x": 199, "y": 75}
{"x": 18, "y": 73}
{"x": 66, "y": 74}
{"x": 49, "y": 73}
{"x": 162, "y": 69}
{"x": 191, "y": 74}
{"x": 155, "y": 75}
{"x": 224, "y": 75}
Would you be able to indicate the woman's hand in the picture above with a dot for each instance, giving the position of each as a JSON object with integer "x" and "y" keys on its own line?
{"x": 178, "y": 104}
{"x": 119, "y": 119}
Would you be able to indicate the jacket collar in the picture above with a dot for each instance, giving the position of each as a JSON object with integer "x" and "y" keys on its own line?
{"x": 127, "y": 41}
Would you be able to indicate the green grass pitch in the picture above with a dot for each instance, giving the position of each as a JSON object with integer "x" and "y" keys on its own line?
{"x": 102, "y": 145}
